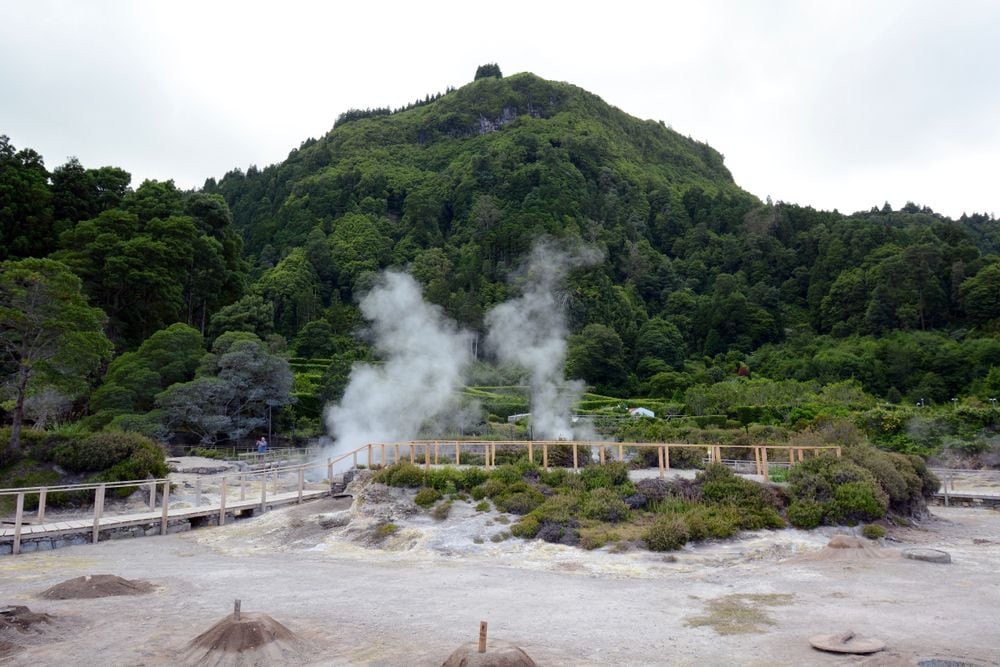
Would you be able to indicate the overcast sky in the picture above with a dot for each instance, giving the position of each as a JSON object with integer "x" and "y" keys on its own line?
{"x": 835, "y": 104}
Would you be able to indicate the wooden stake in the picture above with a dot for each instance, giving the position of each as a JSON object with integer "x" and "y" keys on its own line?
{"x": 575, "y": 466}
{"x": 197, "y": 492}
{"x": 19, "y": 516}
{"x": 427, "y": 456}
{"x": 545, "y": 455}
{"x": 458, "y": 454}
{"x": 223, "y": 492}
{"x": 302, "y": 473}
{"x": 763, "y": 462}
{"x": 41, "y": 505}
{"x": 166, "y": 506}
{"x": 236, "y": 610}
{"x": 531, "y": 451}
{"x": 482, "y": 636}
{"x": 659, "y": 455}
{"x": 621, "y": 453}
{"x": 396, "y": 460}
{"x": 666, "y": 458}
{"x": 98, "y": 510}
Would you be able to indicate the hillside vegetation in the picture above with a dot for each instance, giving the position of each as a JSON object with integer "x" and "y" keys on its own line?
{"x": 764, "y": 319}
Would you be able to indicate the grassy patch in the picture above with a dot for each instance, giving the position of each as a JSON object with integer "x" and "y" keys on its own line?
{"x": 740, "y": 613}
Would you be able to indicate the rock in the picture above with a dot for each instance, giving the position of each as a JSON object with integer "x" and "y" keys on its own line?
{"x": 845, "y": 542}
{"x": 334, "y": 519}
{"x": 927, "y": 555}
{"x": 498, "y": 654}
{"x": 181, "y": 527}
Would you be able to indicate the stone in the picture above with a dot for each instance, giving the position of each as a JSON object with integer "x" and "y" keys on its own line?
{"x": 181, "y": 527}
{"x": 334, "y": 519}
{"x": 927, "y": 555}
{"x": 45, "y": 545}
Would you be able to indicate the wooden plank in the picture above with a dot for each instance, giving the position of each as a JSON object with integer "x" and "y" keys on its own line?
{"x": 243, "y": 486}
{"x": 458, "y": 454}
{"x": 531, "y": 452}
{"x": 436, "y": 451}
{"x": 223, "y": 492}
{"x": 666, "y": 457}
{"x": 602, "y": 454}
{"x": 41, "y": 505}
{"x": 621, "y": 453}
{"x": 382, "y": 456}
{"x": 575, "y": 464}
{"x": 659, "y": 455}
{"x": 396, "y": 460}
{"x": 763, "y": 462}
{"x": 412, "y": 461}
{"x": 427, "y": 456}
{"x": 166, "y": 508}
{"x": 302, "y": 473}
{"x": 18, "y": 518}
{"x": 98, "y": 510}
{"x": 152, "y": 495}
{"x": 545, "y": 455}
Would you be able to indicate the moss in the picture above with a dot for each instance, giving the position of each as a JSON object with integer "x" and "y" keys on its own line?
{"x": 740, "y": 613}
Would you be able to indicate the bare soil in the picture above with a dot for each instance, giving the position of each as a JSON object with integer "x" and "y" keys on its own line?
{"x": 96, "y": 586}
{"x": 411, "y": 596}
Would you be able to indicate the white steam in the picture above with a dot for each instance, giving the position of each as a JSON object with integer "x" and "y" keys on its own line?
{"x": 531, "y": 331}
{"x": 426, "y": 357}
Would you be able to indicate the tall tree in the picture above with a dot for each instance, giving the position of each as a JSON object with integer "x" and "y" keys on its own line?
{"x": 48, "y": 331}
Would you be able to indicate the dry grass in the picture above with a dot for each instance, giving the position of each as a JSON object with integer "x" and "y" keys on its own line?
{"x": 740, "y": 613}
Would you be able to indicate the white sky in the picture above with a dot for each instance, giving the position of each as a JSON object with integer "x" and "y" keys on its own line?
{"x": 835, "y": 104}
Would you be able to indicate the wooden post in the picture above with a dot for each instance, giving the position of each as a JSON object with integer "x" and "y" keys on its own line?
{"x": 659, "y": 455}
{"x": 355, "y": 453}
{"x": 602, "y": 454}
{"x": 531, "y": 451}
{"x": 18, "y": 518}
{"x": 302, "y": 474}
{"x": 369, "y": 456}
{"x": 458, "y": 454}
{"x": 329, "y": 473}
{"x": 411, "y": 453}
{"x": 236, "y": 611}
{"x": 666, "y": 457}
{"x": 41, "y": 504}
{"x": 493, "y": 454}
{"x": 166, "y": 506}
{"x": 197, "y": 492}
{"x": 396, "y": 460}
{"x": 575, "y": 465}
{"x": 545, "y": 455}
{"x": 243, "y": 486}
{"x": 621, "y": 453}
{"x": 436, "y": 451}
{"x": 427, "y": 456}
{"x": 152, "y": 496}
{"x": 763, "y": 461}
{"x": 838, "y": 452}
{"x": 223, "y": 492}
{"x": 756, "y": 460}
{"x": 274, "y": 480}
{"x": 382, "y": 456}
{"x": 482, "y": 636}
{"x": 263, "y": 492}
{"x": 98, "y": 511}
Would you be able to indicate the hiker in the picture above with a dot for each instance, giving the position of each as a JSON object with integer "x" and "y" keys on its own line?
{"x": 262, "y": 447}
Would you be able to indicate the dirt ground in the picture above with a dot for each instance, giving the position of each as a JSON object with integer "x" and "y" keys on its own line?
{"x": 414, "y": 596}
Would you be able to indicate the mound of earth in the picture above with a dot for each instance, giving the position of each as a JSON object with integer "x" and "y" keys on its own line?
{"x": 253, "y": 639}
{"x": 847, "y": 547}
{"x": 21, "y": 619}
{"x": 498, "y": 654}
{"x": 96, "y": 586}
{"x": 7, "y": 649}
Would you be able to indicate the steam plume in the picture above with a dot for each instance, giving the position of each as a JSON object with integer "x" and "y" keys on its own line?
{"x": 426, "y": 356}
{"x": 531, "y": 331}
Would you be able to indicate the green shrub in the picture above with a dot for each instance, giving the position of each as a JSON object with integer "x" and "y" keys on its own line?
{"x": 556, "y": 477}
{"x": 442, "y": 510}
{"x": 606, "y": 476}
{"x": 561, "y": 509}
{"x": 521, "y": 502}
{"x": 605, "y": 505}
{"x": 384, "y": 530}
{"x": 526, "y": 528}
{"x": 99, "y": 451}
{"x": 712, "y": 522}
{"x": 405, "y": 475}
{"x": 857, "y": 501}
{"x": 472, "y": 477}
{"x": 507, "y": 474}
{"x": 445, "y": 479}
{"x": 478, "y": 492}
{"x": 493, "y": 488}
{"x": 427, "y": 496}
{"x": 873, "y": 531}
{"x": 715, "y": 472}
{"x": 667, "y": 533}
{"x": 806, "y": 514}
{"x": 483, "y": 506}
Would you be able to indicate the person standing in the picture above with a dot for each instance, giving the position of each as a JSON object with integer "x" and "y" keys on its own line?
{"x": 262, "y": 447}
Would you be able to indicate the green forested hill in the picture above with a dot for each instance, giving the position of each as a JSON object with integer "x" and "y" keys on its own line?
{"x": 704, "y": 295}
{"x": 458, "y": 187}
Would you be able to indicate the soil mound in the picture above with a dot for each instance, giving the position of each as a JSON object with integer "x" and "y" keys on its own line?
{"x": 96, "y": 586}
{"x": 21, "y": 619}
{"x": 7, "y": 649}
{"x": 847, "y": 547}
{"x": 254, "y": 639}
{"x": 498, "y": 654}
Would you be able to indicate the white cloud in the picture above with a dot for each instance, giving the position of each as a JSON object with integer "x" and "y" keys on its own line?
{"x": 843, "y": 104}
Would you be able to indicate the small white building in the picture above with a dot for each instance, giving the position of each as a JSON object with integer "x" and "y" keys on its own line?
{"x": 641, "y": 412}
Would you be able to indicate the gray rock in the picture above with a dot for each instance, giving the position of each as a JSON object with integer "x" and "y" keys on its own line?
{"x": 181, "y": 527}
{"x": 334, "y": 519}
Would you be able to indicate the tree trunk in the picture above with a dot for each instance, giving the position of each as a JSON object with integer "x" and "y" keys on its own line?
{"x": 22, "y": 385}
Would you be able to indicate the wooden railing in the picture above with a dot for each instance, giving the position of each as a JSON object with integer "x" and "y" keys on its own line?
{"x": 431, "y": 452}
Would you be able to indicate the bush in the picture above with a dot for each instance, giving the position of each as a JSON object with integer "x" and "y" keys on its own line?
{"x": 521, "y": 502}
{"x": 712, "y": 522}
{"x": 427, "y": 496}
{"x": 558, "y": 509}
{"x": 483, "y": 506}
{"x": 654, "y": 490}
{"x": 99, "y": 451}
{"x": 526, "y": 528}
{"x": 442, "y": 510}
{"x": 873, "y": 531}
{"x": 806, "y": 514}
{"x": 605, "y": 505}
{"x": 493, "y": 488}
{"x": 857, "y": 501}
{"x": 402, "y": 474}
{"x": 558, "y": 534}
{"x": 667, "y": 533}
{"x": 478, "y": 492}
{"x": 606, "y": 476}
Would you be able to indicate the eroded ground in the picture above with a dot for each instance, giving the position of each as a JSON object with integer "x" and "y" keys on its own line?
{"x": 356, "y": 597}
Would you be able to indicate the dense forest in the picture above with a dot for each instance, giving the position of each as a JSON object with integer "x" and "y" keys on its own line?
{"x": 204, "y": 315}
